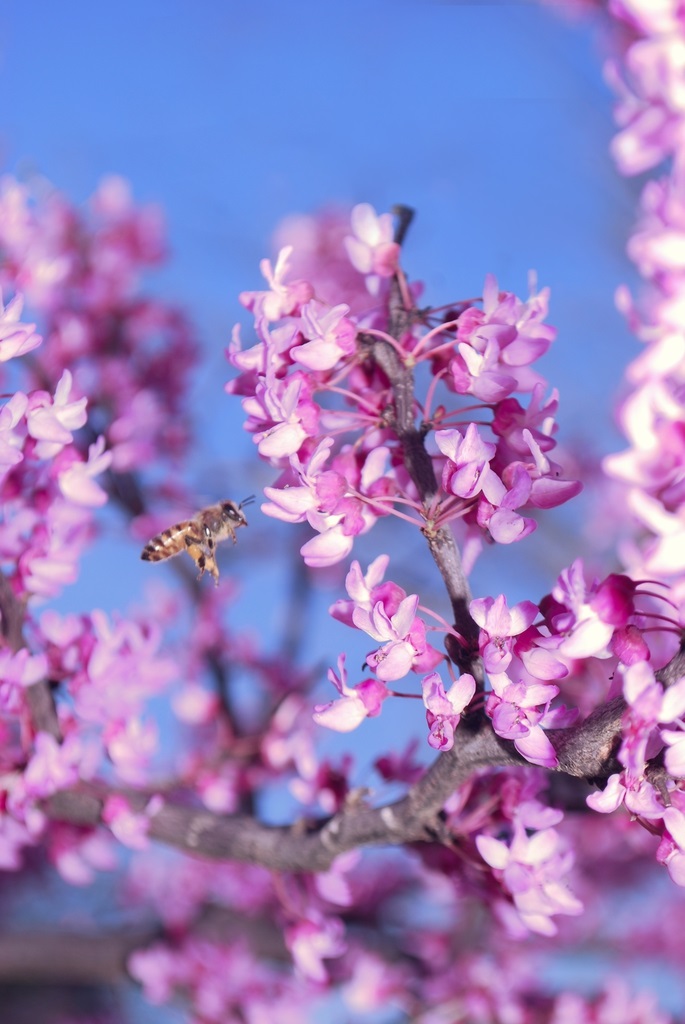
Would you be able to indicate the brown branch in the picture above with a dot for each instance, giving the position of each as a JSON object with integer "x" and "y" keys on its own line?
{"x": 587, "y": 752}
{"x": 307, "y": 846}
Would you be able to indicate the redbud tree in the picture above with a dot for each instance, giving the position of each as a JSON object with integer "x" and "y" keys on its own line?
{"x": 257, "y": 878}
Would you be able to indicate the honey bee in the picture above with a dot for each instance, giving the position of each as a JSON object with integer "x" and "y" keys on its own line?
{"x": 199, "y": 536}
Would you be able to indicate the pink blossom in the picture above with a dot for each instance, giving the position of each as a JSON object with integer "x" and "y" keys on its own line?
{"x": 16, "y": 339}
{"x": 402, "y": 637}
{"x": 587, "y": 632}
{"x": 444, "y": 708}
{"x": 130, "y": 827}
{"x": 531, "y": 869}
{"x": 365, "y": 590}
{"x": 639, "y": 796}
{"x": 671, "y": 850}
{"x": 14, "y": 836}
{"x": 313, "y": 941}
{"x": 282, "y": 299}
{"x": 519, "y": 712}
{"x": 53, "y": 765}
{"x": 130, "y": 745}
{"x": 468, "y": 466}
{"x": 371, "y": 248}
{"x": 355, "y": 704}
{"x": 50, "y": 421}
{"x": 649, "y": 705}
{"x": 286, "y": 406}
{"x": 321, "y": 497}
{"x": 77, "y": 482}
{"x": 496, "y": 345}
{"x": 12, "y": 416}
{"x": 499, "y": 625}
{"x": 79, "y": 855}
{"x": 329, "y": 335}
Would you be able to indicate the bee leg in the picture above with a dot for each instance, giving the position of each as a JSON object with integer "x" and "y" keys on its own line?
{"x": 196, "y": 548}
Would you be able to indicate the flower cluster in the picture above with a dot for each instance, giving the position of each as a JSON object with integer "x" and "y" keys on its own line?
{"x": 652, "y": 119}
{"x": 308, "y": 381}
{"x": 79, "y": 273}
{"x": 48, "y": 488}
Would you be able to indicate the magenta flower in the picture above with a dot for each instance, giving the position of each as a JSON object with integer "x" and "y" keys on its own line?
{"x": 402, "y": 636}
{"x": 499, "y": 625}
{"x": 671, "y": 850}
{"x": 286, "y": 406}
{"x": 366, "y": 590}
{"x": 371, "y": 248}
{"x": 639, "y": 796}
{"x": 329, "y": 335}
{"x": 16, "y": 339}
{"x": 531, "y": 870}
{"x": 77, "y": 482}
{"x": 519, "y": 712}
{"x": 50, "y": 421}
{"x": 466, "y": 471}
{"x": 130, "y": 827}
{"x": 444, "y": 708}
{"x": 53, "y": 765}
{"x": 355, "y": 704}
{"x": 281, "y": 299}
{"x": 311, "y": 941}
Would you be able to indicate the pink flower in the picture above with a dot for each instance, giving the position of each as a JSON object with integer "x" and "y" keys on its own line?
{"x": 130, "y": 745}
{"x": 499, "y": 625}
{"x": 50, "y": 421}
{"x": 444, "y": 708}
{"x": 519, "y": 712}
{"x": 671, "y": 850}
{"x": 287, "y": 408}
{"x": 531, "y": 869}
{"x": 355, "y": 704}
{"x": 466, "y": 471}
{"x": 366, "y": 590}
{"x": 53, "y": 765}
{"x": 639, "y": 796}
{"x": 130, "y": 827}
{"x": 77, "y": 482}
{"x": 330, "y": 336}
{"x": 16, "y": 339}
{"x": 371, "y": 249}
{"x": 402, "y": 636}
{"x": 312, "y": 941}
{"x": 282, "y": 299}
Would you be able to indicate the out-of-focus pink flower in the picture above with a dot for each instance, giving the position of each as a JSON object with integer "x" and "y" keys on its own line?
{"x": 130, "y": 827}
{"x": 313, "y": 941}
{"x": 531, "y": 869}
{"x": 51, "y": 422}
{"x": 77, "y": 482}
{"x": 16, "y": 339}
{"x": 281, "y": 299}
{"x": 53, "y": 765}
{"x": 371, "y": 248}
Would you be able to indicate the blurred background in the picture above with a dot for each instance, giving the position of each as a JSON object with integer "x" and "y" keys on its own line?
{"x": 492, "y": 120}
